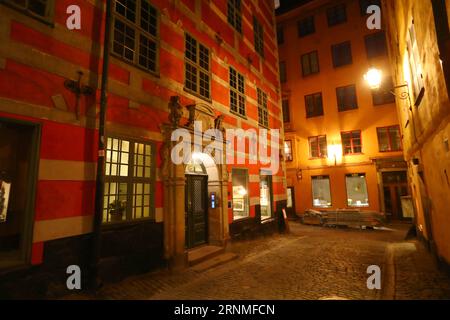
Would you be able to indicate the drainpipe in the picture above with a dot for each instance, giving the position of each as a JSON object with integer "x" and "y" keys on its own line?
{"x": 100, "y": 179}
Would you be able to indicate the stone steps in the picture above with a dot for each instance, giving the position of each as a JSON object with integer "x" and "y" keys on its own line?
{"x": 215, "y": 261}
{"x": 206, "y": 257}
{"x": 200, "y": 254}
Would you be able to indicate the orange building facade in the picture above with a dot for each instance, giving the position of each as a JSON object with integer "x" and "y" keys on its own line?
{"x": 343, "y": 141}
{"x": 171, "y": 63}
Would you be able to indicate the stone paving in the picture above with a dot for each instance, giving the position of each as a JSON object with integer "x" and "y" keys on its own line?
{"x": 309, "y": 263}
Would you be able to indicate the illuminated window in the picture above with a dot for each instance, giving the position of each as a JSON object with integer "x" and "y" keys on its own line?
{"x": 240, "y": 193}
{"x": 235, "y": 15}
{"x": 263, "y": 111}
{"x": 237, "y": 92}
{"x": 197, "y": 67}
{"x": 288, "y": 150}
{"x": 351, "y": 142}
{"x": 389, "y": 139}
{"x": 318, "y": 147}
{"x": 265, "y": 199}
{"x": 129, "y": 176}
{"x": 321, "y": 191}
{"x": 135, "y": 37}
{"x": 357, "y": 195}
{"x": 258, "y": 32}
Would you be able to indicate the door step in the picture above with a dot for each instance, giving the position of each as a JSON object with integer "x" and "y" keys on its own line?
{"x": 214, "y": 261}
{"x": 200, "y": 254}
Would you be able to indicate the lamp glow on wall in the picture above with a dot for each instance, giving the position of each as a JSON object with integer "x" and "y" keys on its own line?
{"x": 374, "y": 77}
{"x": 335, "y": 152}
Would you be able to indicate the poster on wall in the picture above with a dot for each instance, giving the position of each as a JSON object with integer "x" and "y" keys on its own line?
{"x": 5, "y": 189}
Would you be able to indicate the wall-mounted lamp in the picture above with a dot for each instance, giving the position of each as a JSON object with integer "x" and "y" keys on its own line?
{"x": 299, "y": 174}
{"x": 335, "y": 152}
{"x": 374, "y": 78}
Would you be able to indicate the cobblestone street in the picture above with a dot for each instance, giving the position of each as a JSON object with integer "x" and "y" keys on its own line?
{"x": 310, "y": 263}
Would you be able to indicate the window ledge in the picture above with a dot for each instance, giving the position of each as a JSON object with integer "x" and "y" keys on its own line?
{"x": 45, "y": 20}
{"x": 237, "y": 114}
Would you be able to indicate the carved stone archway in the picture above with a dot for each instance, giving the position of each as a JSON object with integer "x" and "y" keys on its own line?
{"x": 173, "y": 177}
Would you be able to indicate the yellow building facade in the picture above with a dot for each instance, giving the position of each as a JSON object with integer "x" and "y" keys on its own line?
{"x": 418, "y": 37}
{"x": 343, "y": 145}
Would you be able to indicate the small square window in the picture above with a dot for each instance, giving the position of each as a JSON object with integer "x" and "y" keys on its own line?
{"x": 336, "y": 15}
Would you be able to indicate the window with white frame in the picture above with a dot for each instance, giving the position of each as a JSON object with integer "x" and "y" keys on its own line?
{"x": 129, "y": 180}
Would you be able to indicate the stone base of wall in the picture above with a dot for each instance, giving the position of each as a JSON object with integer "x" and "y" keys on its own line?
{"x": 126, "y": 250}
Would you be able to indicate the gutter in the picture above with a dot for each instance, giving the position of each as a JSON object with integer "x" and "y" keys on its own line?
{"x": 94, "y": 281}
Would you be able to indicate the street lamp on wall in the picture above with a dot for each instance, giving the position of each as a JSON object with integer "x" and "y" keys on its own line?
{"x": 335, "y": 152}
{"x": 374, "y": 78}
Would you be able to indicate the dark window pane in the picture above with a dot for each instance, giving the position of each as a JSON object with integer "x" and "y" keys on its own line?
{"x": 282, "y": 72}
{"x": 383, "y": 94}
{"x": 258, "y": 32}
{"x": 310, "y": 63}
{"x": 342, "y": 54}
{"x": 314, "y": 106}
{"x": 286, "y": 111}
{"x": 306, "y": 26}
{"x": 280, "y": 35}
{"x": 336, "y": 15}
{"x": 376, "y": 45}
{"x": 364, "y": 4}
{"x": 234, "y": 14}
{"x": 346, "y": 97}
